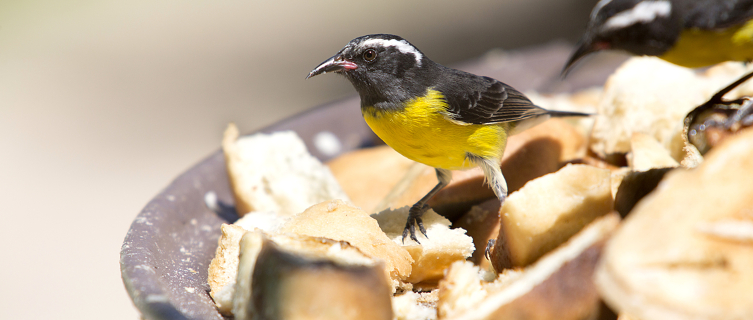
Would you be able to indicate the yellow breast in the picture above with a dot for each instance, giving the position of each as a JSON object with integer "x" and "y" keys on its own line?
{"x": 699, "y": 48}
{"x": 423, "y": 132}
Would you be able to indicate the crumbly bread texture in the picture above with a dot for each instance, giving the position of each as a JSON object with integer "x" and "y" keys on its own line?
{"x": 224, "y": 266}
{"x": 266, "y": 221}
{"x": 647, "y": 153}
{"x": 549, "y": 210}
{"x": 463, "y": 288}
{"x": 338, "y": 220}
{"x": 693, "y": 157}
{"x": 249, "y": 248}
{"x": 558, "y": 286}
{"x": 411, "y": 305}
{"x": 274, "y": 172}
{"x": 302, "y": 277}
{"x": 686, "y": 250}
{"x": 434, "y": 254}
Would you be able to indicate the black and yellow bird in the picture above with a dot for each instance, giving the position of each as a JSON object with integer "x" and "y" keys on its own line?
{"x": 442, "y": 117}
{"x": 689, "y": 33}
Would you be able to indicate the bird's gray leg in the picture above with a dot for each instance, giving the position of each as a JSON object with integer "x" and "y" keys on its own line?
{"x": 418, "y": 209}
{"x": 493, "y": 176}
{"x": 495, "y": 179}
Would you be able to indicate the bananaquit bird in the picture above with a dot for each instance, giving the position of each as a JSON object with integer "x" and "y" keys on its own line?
{"x": 690, "y": 33}
{"x": 442, "y": 117}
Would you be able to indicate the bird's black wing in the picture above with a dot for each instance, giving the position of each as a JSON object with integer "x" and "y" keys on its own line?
{"x": 714, "y": 14}
{"x": 482, "y": 100}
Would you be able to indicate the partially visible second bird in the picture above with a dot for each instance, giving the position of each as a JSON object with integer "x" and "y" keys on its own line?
{"x": 442, "y": 117}
{"x": 689, "y": 33}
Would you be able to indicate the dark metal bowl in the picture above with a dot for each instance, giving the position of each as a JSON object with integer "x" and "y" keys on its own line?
{"x": 166, "y": 252}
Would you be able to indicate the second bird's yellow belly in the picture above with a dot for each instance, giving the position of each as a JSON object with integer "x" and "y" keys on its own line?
{"x": 423, "y": 133}
{"x": 699, "y": 48}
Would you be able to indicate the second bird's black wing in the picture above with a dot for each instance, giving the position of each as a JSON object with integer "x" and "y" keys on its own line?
{"x": 714, "y": 14}
{"x": 483, "y": 100}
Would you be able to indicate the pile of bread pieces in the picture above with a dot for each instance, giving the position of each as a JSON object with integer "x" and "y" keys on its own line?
{"x": 610, "y": 216}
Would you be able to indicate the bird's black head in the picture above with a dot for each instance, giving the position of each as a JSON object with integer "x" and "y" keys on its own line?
{"x": 641, "y": 27}
{"x": 384, "y": 68}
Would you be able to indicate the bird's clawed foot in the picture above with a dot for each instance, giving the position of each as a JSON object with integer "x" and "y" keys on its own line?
{"x": 708, "y": 124}
{"x": 414, "y": 218}
{"x": 488, "y": 250}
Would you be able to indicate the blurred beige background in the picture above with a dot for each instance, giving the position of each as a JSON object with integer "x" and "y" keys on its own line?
{"x": 103, "y": 103}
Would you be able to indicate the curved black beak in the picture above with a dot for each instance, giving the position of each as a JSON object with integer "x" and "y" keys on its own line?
{"x": 334, "y": 64}
{"x": 585, "y": 47}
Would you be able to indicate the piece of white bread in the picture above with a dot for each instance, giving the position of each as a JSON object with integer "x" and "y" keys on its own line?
{"x": 549, "y": 210}
{"x": 302, "y": 277}
{"x": 646, "y": 153}
{"x": 646, "y": 94}
{"x": 686, "y": 250}
{"x": 558, "y": 286}
{"x": 411, "y": 305}
{"x": 330, "y": 219}
{"x": 435, "y": 253}
{"x": 224, "y": 267}
{"x": 340, "y": 221}
{"x": 274, "y": 172}
{"x": 249, "y": 248}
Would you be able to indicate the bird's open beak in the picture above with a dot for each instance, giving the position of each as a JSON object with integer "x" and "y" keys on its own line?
{"x": 335, "y": 64}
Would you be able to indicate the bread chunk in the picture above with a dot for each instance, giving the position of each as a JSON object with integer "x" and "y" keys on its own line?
{"x": 340, "y": 221}
{"x": 549, "y": 210}
{"x": 686, "y": 250}
{"x": 558, "y": 286}
{"x": 436, "y": 252}
{"x": 274, "y": 172}
{"x": 302, "y": 277}
{"x": 224, "y": 266}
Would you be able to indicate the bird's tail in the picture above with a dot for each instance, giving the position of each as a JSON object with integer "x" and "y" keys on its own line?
{"x": 560, "y": 114}
{"x": 542, "y": 115}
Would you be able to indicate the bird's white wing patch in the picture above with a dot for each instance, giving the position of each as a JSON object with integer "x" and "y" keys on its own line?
{"x": 642, "y": 12}
{"x": 401, "y": 45}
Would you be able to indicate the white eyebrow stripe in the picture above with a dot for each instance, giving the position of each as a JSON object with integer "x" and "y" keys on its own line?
{"x": 642, "y": 12}
{"x": 401, "y": 45}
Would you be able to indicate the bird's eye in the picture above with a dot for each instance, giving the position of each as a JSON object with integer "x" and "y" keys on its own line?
{"x": 369, "y": 55}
